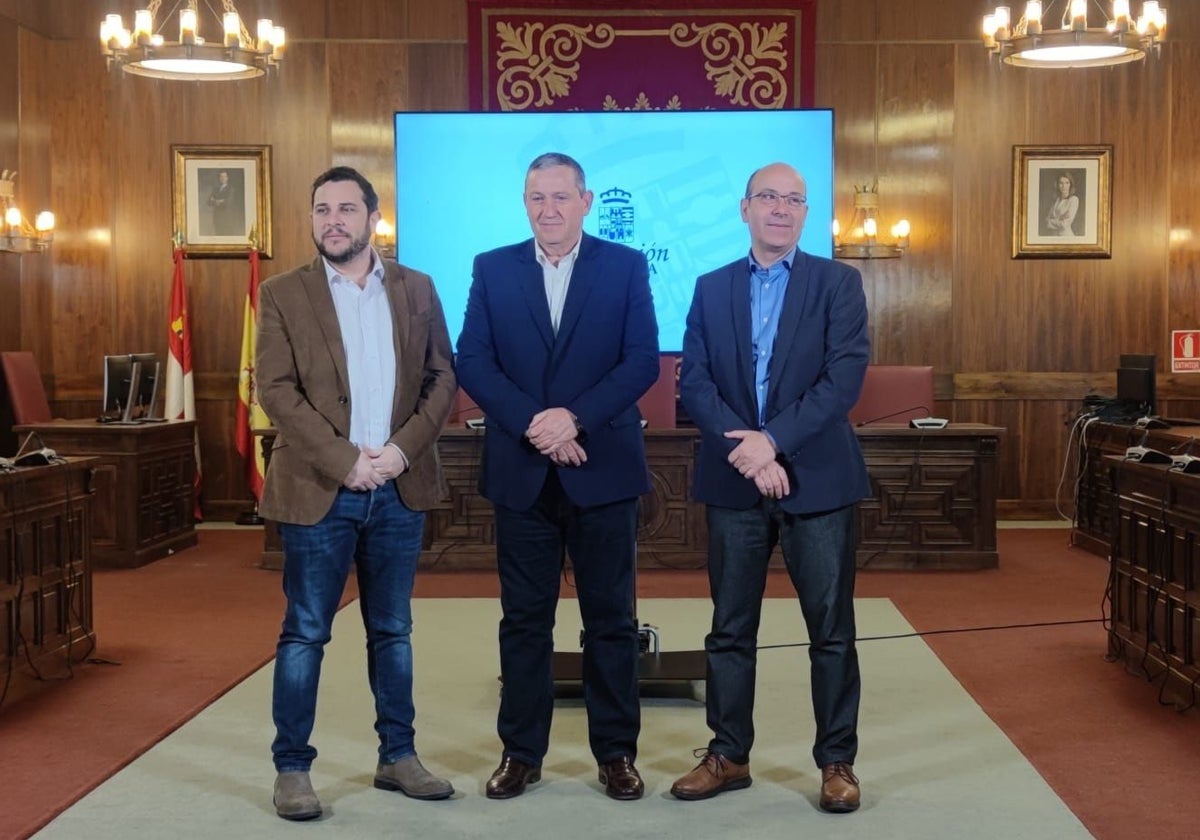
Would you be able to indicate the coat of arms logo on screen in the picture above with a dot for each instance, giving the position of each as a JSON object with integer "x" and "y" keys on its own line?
{"x": 617, "y": 216}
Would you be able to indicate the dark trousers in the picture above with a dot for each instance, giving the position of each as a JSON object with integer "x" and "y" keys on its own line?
{"x": 818, "y": 550}
{"x": 529, "y": 549}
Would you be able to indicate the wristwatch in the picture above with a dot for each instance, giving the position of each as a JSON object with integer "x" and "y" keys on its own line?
{"x": 580, "y": 433}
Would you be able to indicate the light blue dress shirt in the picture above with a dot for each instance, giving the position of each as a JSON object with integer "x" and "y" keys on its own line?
{"x": 767, "y": 288}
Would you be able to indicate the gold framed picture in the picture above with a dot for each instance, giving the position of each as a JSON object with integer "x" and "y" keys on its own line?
{"x": 1062, "y": 201}
{"x": 222, "y": 199}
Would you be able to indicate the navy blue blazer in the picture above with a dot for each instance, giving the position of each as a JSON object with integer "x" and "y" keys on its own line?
{"x": 604, "y": 357}
{"x": 817, "y": 369}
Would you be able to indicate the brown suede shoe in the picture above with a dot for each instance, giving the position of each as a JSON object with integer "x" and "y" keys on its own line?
{"x": 294, "y": 797}
{"x": 839, "y": 788}
{"x": 409, "y": 776}
{"x": 714, "y": 774}
{"x": 621, "y": 779}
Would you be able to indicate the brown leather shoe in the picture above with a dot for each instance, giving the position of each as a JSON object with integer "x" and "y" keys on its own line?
{"x": 839, "y": 788}
{"x": 621, "y": 779}
{"x": 511, "y": 778}
{"x": 714, "y": 774}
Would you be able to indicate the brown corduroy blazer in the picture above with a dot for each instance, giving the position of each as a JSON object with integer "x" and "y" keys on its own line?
{"x": 303, "y": 385}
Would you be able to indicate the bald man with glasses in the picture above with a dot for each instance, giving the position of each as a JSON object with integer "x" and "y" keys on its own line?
{"x": 774, "y": 356}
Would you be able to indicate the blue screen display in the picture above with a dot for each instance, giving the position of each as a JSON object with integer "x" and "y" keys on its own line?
{"x": 665, "y": 182}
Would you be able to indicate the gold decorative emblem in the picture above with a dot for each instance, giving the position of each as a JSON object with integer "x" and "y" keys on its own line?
{"x": 537, "y": 63}
{"x": 746, "y": 62}
{"x": 642, "y": 103}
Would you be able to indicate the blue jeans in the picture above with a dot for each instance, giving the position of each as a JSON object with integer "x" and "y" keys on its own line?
{"x": 375, "y": 531}
{"x": 818, "y": 550}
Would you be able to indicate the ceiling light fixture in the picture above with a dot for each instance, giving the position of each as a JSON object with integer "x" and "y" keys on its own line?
{"x": 1028, "y": 43}
{"x": 236, "y": 55}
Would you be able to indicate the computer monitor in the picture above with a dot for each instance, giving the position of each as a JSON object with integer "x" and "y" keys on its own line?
{"x": 130, "y": 387}
{"x": 1136, "y": 381}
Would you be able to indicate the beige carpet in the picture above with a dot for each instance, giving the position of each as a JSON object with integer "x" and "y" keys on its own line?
{"x": 931, "y": 763}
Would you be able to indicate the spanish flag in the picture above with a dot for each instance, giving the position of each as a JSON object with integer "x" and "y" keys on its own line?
{"x": 180, "y": 401}
{"x": 250, "y": 415}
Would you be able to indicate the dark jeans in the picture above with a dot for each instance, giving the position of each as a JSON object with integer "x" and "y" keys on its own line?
{"x": 529, "y": 549}
{"x": 375, "y": 531}
{"x": 818, "y": 550}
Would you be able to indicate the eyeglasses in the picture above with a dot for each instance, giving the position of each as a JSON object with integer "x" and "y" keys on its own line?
{"x": 770, "y": 198}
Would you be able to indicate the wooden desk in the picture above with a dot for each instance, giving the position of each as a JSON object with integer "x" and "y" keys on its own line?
{"x": 933, "y": 504}
{"x": 45, "y": 570}
{"x": 1155, "y": 582}
{"x": 143, "y": 509}
{"x": 1094, "y": 500}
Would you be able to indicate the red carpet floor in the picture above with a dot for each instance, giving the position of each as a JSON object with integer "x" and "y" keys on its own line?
{"x": 184, "y": 630}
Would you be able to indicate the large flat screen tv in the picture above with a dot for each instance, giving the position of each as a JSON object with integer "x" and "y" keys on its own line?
{"x": 665, "y": 182}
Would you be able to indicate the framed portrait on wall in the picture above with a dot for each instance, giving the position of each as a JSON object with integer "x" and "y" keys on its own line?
{"x": 222, "y": 199}
{"x": 1062, "y": 201}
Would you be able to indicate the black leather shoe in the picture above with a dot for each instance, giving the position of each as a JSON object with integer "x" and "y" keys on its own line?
{"x": 621, "y": 779}
{"x": 510, "y": 778}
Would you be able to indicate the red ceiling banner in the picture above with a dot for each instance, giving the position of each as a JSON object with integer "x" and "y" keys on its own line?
{"x": 692, "y": 55}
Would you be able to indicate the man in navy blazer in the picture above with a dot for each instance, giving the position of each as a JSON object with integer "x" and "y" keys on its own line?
{"x": 558, "y": 343}
{"x": 774, "y": 356}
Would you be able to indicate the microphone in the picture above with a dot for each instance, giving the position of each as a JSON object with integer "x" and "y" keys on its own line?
{"x": 924, "y": 408}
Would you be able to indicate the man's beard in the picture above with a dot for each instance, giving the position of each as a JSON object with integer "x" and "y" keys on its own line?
{"x": 356, "y": 247}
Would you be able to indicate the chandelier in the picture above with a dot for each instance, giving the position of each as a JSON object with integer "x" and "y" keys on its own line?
{"x": 19, "y": 236}
{"x": 1028, "y": 43}
{"x": 861, "y": 239}
{"x": 145, "y": 52}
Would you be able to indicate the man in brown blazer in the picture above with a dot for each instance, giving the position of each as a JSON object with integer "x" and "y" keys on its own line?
{"x": 354, "y": 368}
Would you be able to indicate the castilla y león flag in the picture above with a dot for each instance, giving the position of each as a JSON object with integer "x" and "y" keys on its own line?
{"x": 250, "y": 415}
{"x": 180, "y": 403}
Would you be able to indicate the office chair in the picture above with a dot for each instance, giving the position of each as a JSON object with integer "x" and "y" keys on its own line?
{"x": 894, "y": 394}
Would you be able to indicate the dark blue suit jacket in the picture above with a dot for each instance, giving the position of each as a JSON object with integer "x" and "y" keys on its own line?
{"x": 816, "y": 374}
{"x": 604, "y": 357}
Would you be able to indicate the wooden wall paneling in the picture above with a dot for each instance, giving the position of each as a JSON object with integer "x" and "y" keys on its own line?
{"x": 916, "y": 140}
{"x": 437, "y": 77}
{"x": 920, "y": 20}
{"x": 361, "y": 116}
{"x": 845, "y": 21}
{"x": 298, "y": 112}
{"x": 355, "y": 19}
{"x": 1135, "y": 113}
{"x": 10, "y": 151}
{"x": 1063, "y": 108}
{"x": 1044, "y": 428}
{"x": 990, "y": 308}
{"x": 438, "y": 20}
{"x": 77, "y": 308}
{"x": 302, "y": 19}
{"x": 1183, "y": 274}
{"x": 34, "y": 163}
{"x": 846, "y": 82}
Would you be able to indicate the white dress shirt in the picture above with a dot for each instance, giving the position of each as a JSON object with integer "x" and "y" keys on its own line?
{"x": 557, "y": 279}
{"x": 365, "y": 318}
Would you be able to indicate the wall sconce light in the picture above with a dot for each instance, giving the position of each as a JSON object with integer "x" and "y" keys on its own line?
{"x": 18, "y": 236}
{"x": 385, "y": 239}
{"x": 861, "y": 239}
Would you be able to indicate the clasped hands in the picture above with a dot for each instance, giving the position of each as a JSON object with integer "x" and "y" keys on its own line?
{"x": 754, "y": 458}
{"x": 374, "y": 467}
{"x": 553, "y": 433}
